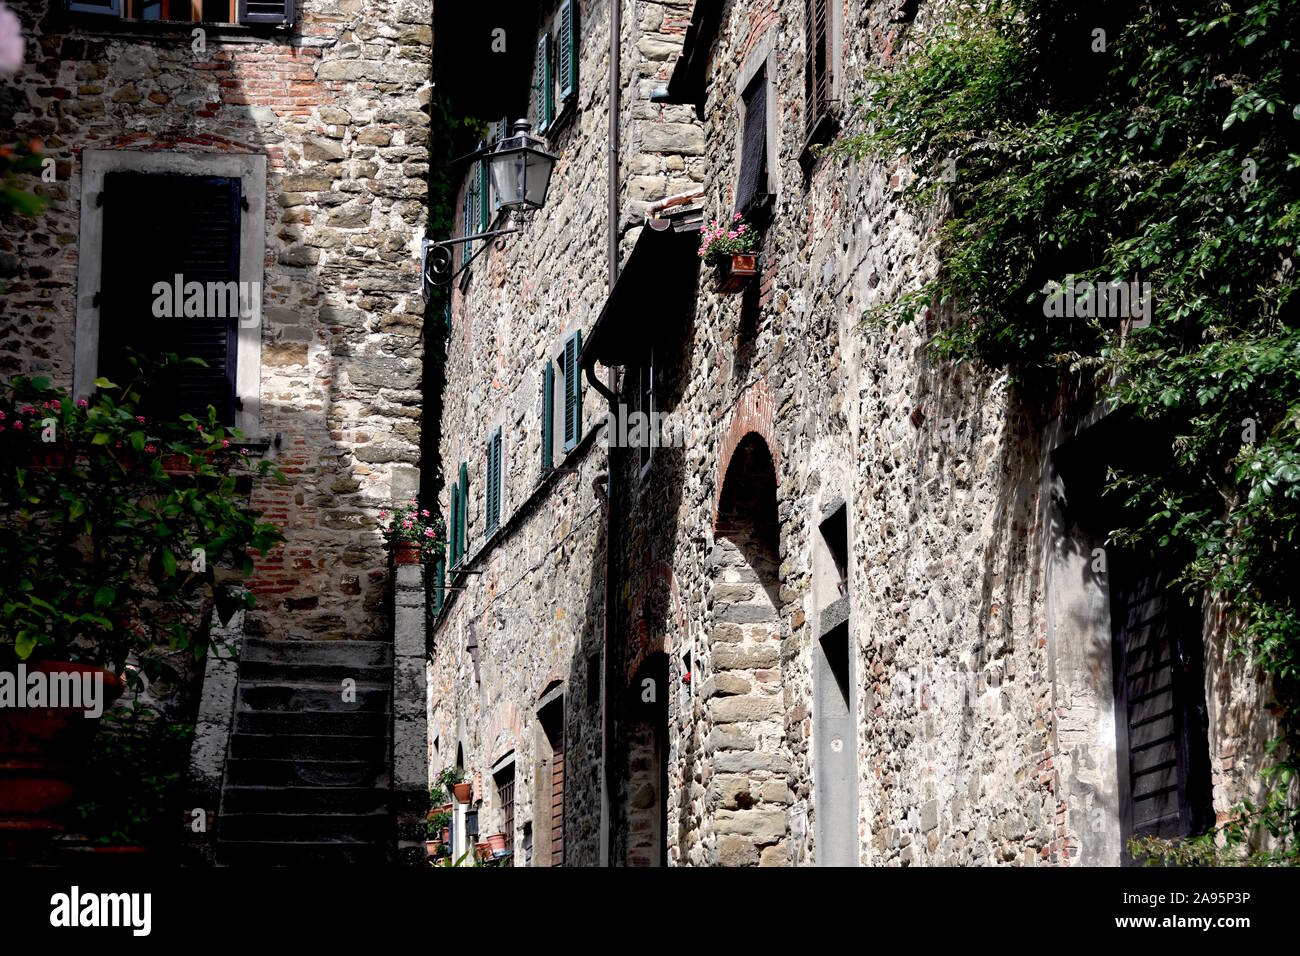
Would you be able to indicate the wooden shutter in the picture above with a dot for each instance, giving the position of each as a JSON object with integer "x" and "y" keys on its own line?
{"x": 485, "y": 210}
{"x": 544, "y": 93}
{"x": 454, "y": 525}
{"x": 1160, "y": 702}
{"x": 494, "y": 481}
{"x": 266, "y": 11}
{"x": 572, "y": 391}
{"x": 500, "y": 130}
{"x": 464, "y": 507}
{"x": 753, "y": 157}
{"x": 466, "y": 218}
{"x": 567, "y": 54}
{"x": 816, "y": 61}
{"x": 548, "y": 417}
{"x": 108, "y": 8}
{"x": 158, "y": 227}
{"x": 558, "y": 796}
{"x": 447, "y": 313}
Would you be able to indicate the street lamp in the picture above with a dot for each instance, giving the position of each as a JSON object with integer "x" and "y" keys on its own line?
{"x": 519, "y": 172}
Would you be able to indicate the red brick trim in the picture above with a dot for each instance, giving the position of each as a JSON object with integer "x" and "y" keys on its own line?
{"x": 644, "y": 644}
{"x": 752, "y": 414}
{"x": 504, "y": 731}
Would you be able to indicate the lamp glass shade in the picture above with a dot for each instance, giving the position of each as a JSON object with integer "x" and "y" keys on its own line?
{"x": 520, "y": 172}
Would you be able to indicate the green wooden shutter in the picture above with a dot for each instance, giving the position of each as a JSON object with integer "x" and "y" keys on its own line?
{"x": 484, "y": 198}
{"x": 467, "y": 220}
{"x": 567, "y": 55}
{"x": 548, "y": 417}
{"x": 544, "y": 98}
{"x": 454, "y": 525}
{"x": 447, "y": 313}
{"x": 572, "y": 391}
{"x": 464, "y": 507}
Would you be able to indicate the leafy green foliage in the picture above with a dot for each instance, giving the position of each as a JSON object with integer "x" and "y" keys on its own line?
{"x": 1123, "y": 141}
{"x": 134, "y": 791}
{"x": 117, "y": 531}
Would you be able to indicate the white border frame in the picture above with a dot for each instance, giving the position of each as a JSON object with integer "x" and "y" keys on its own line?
{"x": 250, "y": 169}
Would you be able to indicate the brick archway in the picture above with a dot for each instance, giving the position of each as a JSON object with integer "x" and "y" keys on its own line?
{"x": 752, "y": 414}
{"x": 504, "y": 731}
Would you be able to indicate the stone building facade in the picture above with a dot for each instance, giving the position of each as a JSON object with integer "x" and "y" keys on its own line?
{"x": 316, "y": 114}
{"x": 862, "y": 614}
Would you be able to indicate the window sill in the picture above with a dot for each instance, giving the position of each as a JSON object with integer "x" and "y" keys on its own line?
{"x": 170, "y": 31}
{"x": 568, "y": 110}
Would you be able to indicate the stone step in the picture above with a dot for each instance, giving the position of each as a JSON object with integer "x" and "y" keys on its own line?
{"x": 325, "y": 698}
{"x": 311, "y": 672}
{"x": 279, "y": 799}
{"x": 293, "y": 771}
{"x": 372, "y": 723}
{"x": 308, "y": 747}
{"x": 373, "y": 827}
{"x": 299, "y": 853}
{"x": 349, "y": 653}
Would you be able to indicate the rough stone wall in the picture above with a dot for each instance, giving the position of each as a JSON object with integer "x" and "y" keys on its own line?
{"x": 533, "y": 605}
{"x": 982, "y": 676}
{"x": 340, "y": 110}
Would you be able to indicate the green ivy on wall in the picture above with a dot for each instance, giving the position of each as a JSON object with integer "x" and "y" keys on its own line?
{"x": 1151, "y": 152}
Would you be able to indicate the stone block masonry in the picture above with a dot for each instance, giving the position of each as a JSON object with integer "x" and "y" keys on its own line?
{"x": 338, "y": 105}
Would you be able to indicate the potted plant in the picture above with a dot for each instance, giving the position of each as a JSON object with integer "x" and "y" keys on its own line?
{"x": 437, "y": 832}
{"x": 114, "y": 564}
{"x": 496, "y": 842}
{"x": 413, "y": 534}
{"x": 453, "y": 781}
{"x": 733, "y": 251}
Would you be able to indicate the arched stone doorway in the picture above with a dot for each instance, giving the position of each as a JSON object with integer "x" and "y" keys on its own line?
{"x": 748, "y": 792}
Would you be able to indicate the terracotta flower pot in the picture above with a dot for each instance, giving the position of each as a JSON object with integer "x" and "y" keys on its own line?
{"x": 431, "y": 847}
{"x": 43, "y": 750}
{"x": 406, "y": 552}
{"x": 482, "y": 850}
{"x": 462, "y": 791}
{"x": 735, "y": 271}
{"x": 496, "y": 842}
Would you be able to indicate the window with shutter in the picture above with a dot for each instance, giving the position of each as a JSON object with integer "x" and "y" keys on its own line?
{"x": 454, "y": 525}
{"x": 485, "y": 199}
{"x": 111, "y": 8}
{"x": 464, "y": 507}
{"x": 817, "y": 61}
{"x": 246, "y": 12}
{"x": 1162, "y": 723}
{"x": 160, "y": 230}
{"x": 543, "y": 85}
{"x": 548, "y": 417}
{"x": 266, "y": 11}
{"x": 572, "y": 391}
{"x": 440, "y": 590}
{"x": 567, "y": 50}
{"x": 493, "y": 497}
{"x": 752, "y": 185}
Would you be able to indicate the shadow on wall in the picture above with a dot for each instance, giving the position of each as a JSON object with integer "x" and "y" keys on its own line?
{"x": 341, "y": 312}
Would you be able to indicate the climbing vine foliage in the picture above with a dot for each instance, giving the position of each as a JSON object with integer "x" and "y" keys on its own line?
{"x": 1153, "y": 148}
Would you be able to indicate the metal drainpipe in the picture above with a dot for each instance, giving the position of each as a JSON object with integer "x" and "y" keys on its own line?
{"x": 607, "y": 728}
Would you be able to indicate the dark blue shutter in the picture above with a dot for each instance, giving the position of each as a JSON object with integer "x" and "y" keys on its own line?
{"x": 567, "y": 53}
{"x": 157, "y": 227}
{"x": 109, "y": 8}
{"x": 266, "y": 11}
{"x": 548, "y": 417}
{"x": 572, "y": 391}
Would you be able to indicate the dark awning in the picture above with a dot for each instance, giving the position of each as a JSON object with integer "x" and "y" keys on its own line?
{"x": 653, "y": 295}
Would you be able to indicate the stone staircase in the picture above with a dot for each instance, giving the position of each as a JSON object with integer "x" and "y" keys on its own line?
{"x": 308, "y": 773}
